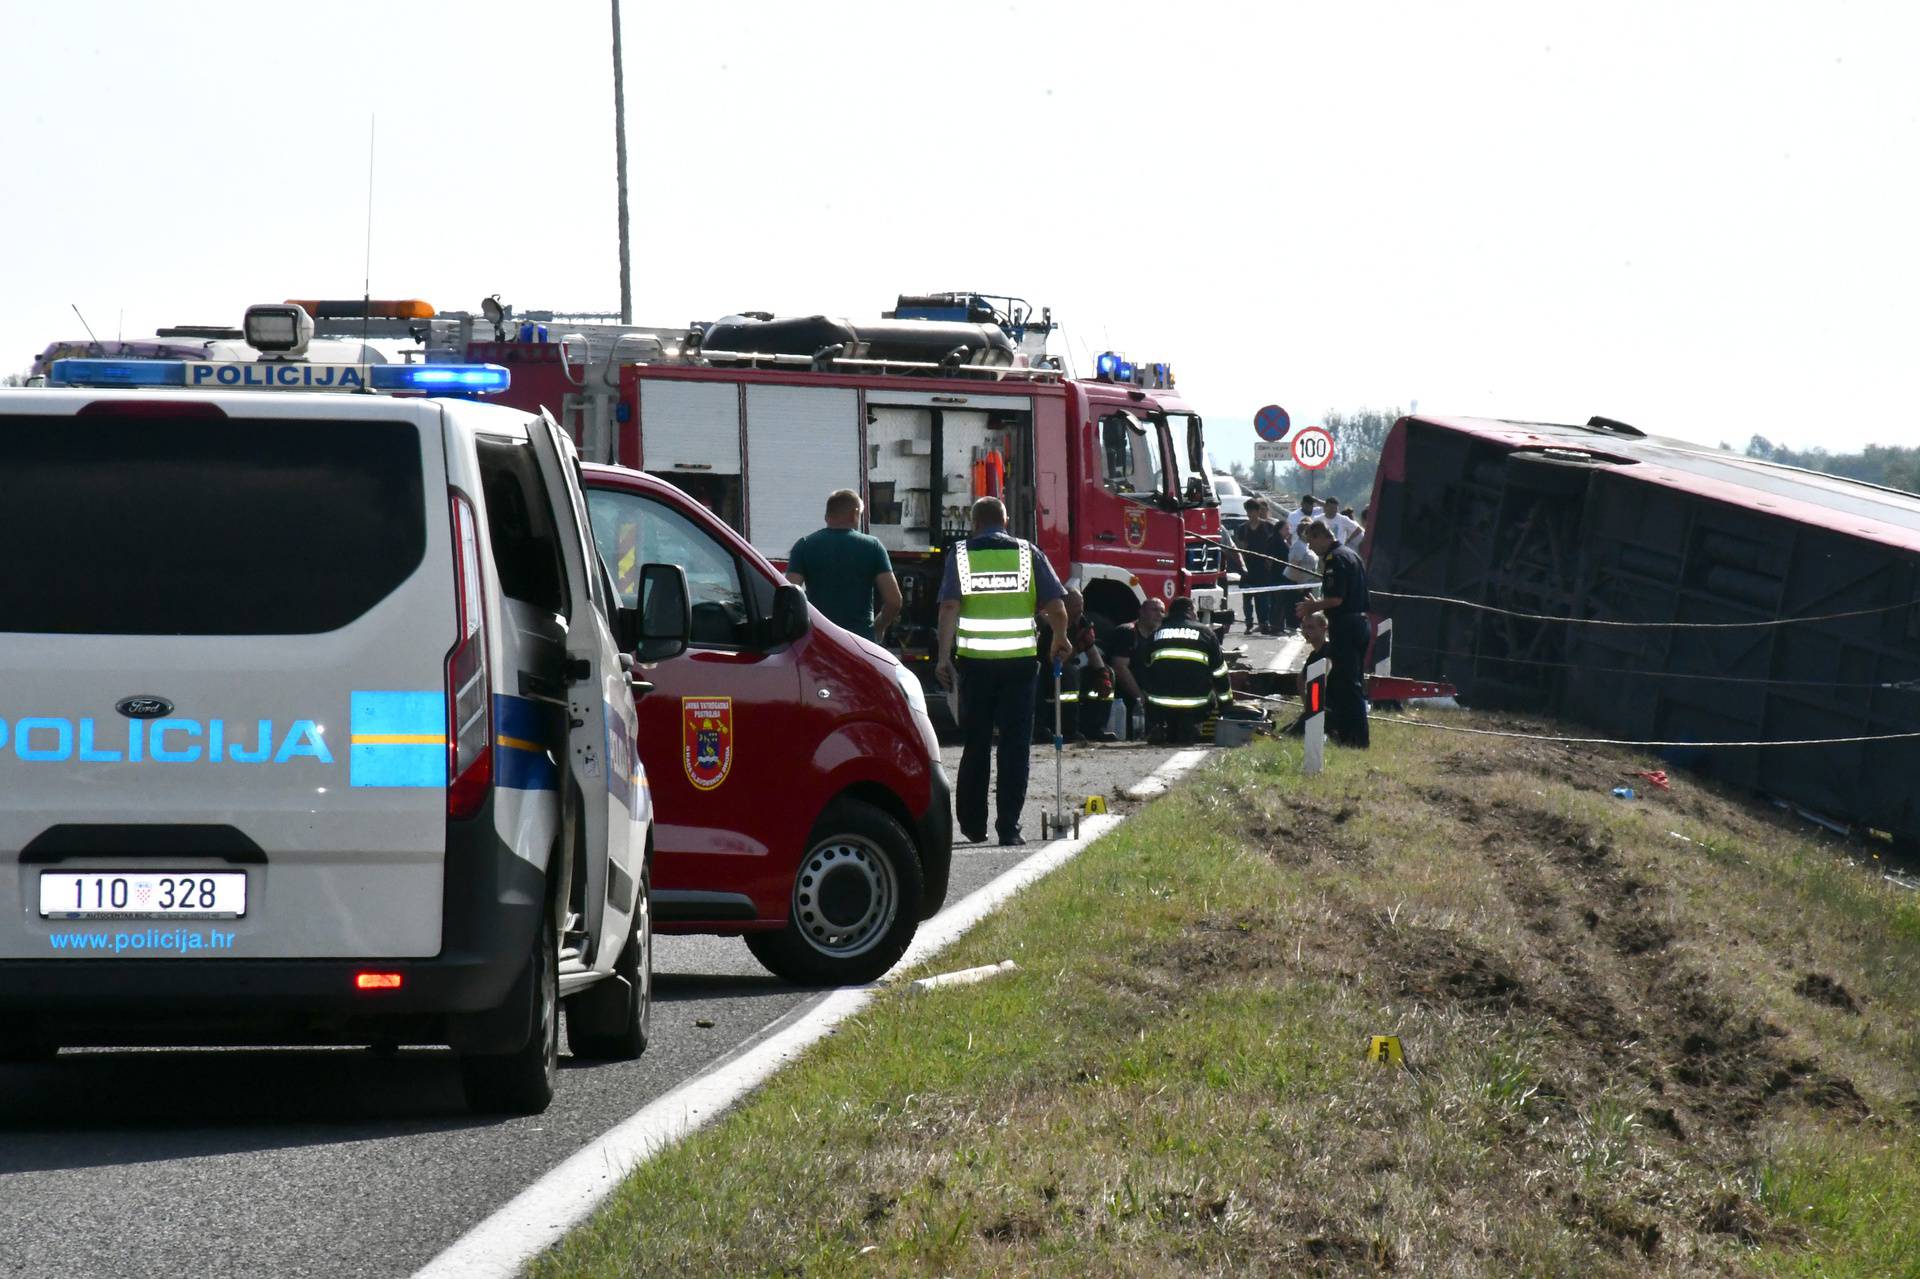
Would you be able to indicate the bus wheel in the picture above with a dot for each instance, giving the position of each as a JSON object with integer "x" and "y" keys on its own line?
{"x": 855, "y": 903}
{"x": 521, "y": 1082}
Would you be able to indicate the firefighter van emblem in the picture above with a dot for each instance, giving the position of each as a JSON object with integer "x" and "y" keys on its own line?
{"x": 1136, "y": 528}
{"x": 706, "y": 739}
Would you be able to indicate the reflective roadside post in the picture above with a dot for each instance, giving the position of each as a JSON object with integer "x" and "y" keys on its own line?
{"x": 1315, "y": 695}
{"x": 1383, "y": 647}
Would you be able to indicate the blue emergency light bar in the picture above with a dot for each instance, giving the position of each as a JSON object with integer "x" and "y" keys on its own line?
{"x": 117, "y": 373}
{"x": 1110, "y": 367}
{"x": 289, "y": 375}
{"x": 479, "y": 379}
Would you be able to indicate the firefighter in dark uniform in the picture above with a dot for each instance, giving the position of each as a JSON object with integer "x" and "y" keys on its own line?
{"x": 1086, "y": 686}
{"x": 1183, "y": 674}
{"x": 1343, "y": 598}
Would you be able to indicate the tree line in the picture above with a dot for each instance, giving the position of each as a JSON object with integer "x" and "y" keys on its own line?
{"x": 1883, "y": 464}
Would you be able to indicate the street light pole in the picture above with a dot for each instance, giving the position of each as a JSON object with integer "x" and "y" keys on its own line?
{"x": 620, "y": 169}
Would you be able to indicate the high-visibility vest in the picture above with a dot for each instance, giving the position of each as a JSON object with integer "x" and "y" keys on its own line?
{"x": 998, "y": 598}
{"x": 1175, "y": 646}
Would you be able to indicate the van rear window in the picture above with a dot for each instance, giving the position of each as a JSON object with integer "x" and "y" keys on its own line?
{"x": 155, "y": 525}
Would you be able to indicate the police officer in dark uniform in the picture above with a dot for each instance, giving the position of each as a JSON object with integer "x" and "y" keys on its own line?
{"x": 1343, "y": 598}
{"x": 990, "y": 649}
{"x": 1183, "y": 674}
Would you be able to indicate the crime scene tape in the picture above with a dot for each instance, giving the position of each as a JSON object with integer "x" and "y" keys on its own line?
{"x": 1581, "y": 621}
{"x": 1617, "y": 741}
{"x": 1908, "y": 685}
{"x": 1645, "y": 625}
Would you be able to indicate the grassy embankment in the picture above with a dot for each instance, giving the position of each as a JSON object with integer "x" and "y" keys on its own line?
{"x": 1627, "y": 1053}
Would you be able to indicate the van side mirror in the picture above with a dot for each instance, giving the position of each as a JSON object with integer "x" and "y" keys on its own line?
{"x": 790, "y": 618}
{"x": 665, "y": 615}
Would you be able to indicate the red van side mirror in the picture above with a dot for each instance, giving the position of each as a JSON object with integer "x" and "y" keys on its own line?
{"x": 790, "y": 618}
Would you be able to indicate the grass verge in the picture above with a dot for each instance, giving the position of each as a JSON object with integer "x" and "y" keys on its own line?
{"x": 1673, "y": 1036}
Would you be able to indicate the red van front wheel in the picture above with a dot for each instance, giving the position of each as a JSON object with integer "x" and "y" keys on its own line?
{"x": 855, "y": 904}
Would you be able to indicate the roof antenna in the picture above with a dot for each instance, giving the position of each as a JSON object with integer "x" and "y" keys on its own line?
{"x": 97, "y": 348}
{"x": 366, "y": 295}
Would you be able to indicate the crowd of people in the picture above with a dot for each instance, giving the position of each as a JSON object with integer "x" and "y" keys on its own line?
{"x": 1269, "y": 552}
{"x": 1006, "y": 620}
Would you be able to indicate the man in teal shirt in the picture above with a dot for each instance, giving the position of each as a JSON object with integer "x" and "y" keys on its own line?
{"x": 843, "y": 570}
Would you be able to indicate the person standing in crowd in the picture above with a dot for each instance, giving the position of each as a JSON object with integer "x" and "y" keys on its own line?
{"x": 1345, "y": 531}
{"x": 1232, "y": 561}
{"x": 1343, "y": 598}
{"x": 1124, "y": 644}
{"x": 990, "y": 649}
{"x": 1185, "y": 676}
{"x": 1283, "y": 600}
{"x": 1304, "y": 513}
{"x": 1359, "y": 530}
{"x": 1303, "y": 566}
{"x": 843, "y": 570}
{"x": 1264, "y": 547}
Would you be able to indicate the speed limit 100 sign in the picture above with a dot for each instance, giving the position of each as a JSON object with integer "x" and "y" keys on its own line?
{"x": 1312, "y": 448}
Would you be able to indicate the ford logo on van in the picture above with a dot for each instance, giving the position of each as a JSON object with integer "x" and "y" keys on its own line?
{"x": 144, "y": 707}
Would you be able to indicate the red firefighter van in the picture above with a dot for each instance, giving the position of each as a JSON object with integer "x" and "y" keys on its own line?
{"x": 798, "y": 795}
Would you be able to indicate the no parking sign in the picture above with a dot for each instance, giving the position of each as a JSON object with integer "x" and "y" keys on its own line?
{"x": 1271, "y": 424}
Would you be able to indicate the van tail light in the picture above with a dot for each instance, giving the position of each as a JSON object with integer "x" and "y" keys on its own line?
{"x": 469, "y": 684}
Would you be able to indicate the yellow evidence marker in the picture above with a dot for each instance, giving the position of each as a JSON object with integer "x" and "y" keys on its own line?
{"x": 1095, "y": 804}
{"x": 1385, "y": 1049}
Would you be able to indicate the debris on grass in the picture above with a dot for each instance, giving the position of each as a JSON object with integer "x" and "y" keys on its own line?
{"x": 964, "y": 977}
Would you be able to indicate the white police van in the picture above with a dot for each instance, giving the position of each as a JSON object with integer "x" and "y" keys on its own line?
{"x": 315, "y": 718}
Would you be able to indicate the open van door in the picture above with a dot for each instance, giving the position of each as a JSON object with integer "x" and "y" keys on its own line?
{"x": 600, "y": 712}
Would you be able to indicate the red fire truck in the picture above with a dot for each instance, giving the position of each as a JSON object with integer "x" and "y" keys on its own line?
{"x": 944, "y": 399}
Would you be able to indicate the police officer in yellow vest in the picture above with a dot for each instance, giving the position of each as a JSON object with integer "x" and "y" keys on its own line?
{"x": 989, "y": 645}
{"x": 1183, "y": 674}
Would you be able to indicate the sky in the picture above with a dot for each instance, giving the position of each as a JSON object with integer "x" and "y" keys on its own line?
{"x": 1694, "y": 217}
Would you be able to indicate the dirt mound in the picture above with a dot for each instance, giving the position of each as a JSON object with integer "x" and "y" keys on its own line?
{"x": 1822, "y": 989}
{"x": 1433, "y": 966}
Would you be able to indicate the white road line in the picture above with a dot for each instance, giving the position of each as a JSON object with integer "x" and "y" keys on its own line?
{"x": 1156, "y": 782}
{"x": 538, "y": 1216}
{"x": 1290, "y": 655}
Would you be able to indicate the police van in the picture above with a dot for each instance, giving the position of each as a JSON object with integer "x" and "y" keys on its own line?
{"x": 315, "y": 717}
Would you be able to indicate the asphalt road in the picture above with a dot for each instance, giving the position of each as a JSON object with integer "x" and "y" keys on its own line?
{"x": 345, "y": 1163}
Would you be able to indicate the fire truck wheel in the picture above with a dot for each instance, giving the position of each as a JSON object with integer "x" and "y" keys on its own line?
{"x": 854, "y": 901}
{"x": 521, "y": 1082}
{"x": 612, "y": 1020}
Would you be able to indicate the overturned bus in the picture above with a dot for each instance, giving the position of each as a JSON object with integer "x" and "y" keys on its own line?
{"x": 1764, "y": 603}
